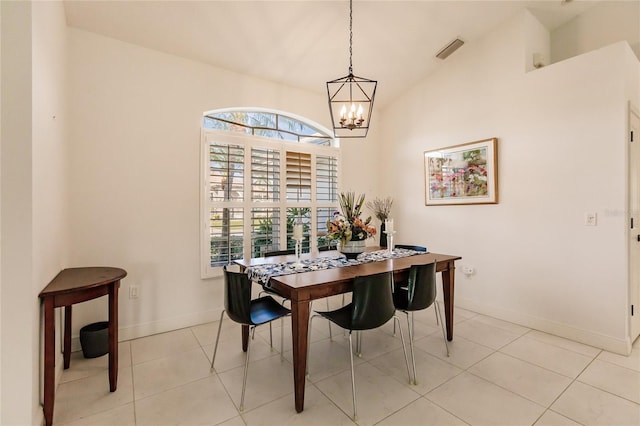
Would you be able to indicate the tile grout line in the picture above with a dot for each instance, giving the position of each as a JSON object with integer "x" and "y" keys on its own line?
{"x": 133, "y": 385}
{"x": 466, "y": 370}
{"x": 533, "y": 365}
{"x": 614, "y": 364}
{"x": 551, "y": 343}
{"x": 573, "y": 380}
{"x": 242, "y": 413}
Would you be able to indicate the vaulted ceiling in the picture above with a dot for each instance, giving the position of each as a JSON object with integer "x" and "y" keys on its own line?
{"x": 304, "y": 43}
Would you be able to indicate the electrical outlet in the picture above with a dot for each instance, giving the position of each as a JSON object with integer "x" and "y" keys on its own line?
{"x": 133, "y": 292}
{"x": 590, "y": 219}
{"x": 468, "y": 270}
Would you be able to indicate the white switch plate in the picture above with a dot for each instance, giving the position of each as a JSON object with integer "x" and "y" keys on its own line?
{"x": 591, "y": 219}
{"x": 133, "y": 292}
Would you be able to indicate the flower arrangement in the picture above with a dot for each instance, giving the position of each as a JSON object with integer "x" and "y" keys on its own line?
{"x": 348, "y": 226}
{"x": 381, "y": 207}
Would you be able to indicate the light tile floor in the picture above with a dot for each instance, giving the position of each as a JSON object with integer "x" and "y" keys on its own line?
{"x": 498, "y": 374}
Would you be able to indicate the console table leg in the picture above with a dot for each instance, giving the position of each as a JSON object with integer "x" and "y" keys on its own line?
{"x": 67, "y": 337}
{"x": 49, "y": 360}
{"x": 113, "y": 336}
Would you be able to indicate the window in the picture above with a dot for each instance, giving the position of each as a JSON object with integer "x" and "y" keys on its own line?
{"x": 267, "y": 124}
{"x": 260, "y": 180}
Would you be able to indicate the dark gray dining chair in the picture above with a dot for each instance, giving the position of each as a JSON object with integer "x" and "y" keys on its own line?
{"x": 371, "y": 307}
{"x": 419, "y": 293}
{"x": 415, "y": 248}
{"x": 241, "y": 309}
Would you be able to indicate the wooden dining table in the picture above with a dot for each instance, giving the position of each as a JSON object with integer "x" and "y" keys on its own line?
{"x": 303, "y": 288}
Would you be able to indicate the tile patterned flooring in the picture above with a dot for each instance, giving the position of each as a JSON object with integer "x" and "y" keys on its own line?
{"x": 498, "y": 374}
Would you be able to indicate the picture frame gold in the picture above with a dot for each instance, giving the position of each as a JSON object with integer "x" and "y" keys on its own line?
{"x": 462, "y": 174}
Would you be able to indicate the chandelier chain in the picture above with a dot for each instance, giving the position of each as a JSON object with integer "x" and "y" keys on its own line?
{"x": 350, "y": 36}
{"x": 350, "y": 98}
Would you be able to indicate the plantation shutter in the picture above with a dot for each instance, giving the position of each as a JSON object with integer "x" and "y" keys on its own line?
{"x": 326, "y": 178}
{"x": 225, "y": 235}
{"x": 298, "y": 169}
{"x": 265, "y": 174}
{"x": 226, "y": 172}
{"x": 265, "y": 230}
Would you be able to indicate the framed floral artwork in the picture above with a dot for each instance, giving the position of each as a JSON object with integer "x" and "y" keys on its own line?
{"x": 462, "y": 174}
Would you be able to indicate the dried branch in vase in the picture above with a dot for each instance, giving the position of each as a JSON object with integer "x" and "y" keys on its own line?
{"x": 381, "y": 207}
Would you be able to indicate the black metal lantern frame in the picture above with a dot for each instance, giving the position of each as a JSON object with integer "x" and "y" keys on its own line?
{"x": 351, "y": 105}
{"x": 351, "y": 98}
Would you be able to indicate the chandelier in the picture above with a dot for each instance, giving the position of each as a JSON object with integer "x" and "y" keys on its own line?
{"x": 351, "y": 98}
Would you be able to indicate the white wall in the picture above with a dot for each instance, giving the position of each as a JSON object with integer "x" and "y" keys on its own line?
{"x": 50, "y": 120}
{"x": 1, "y": 135}
{"x": 50, "y": 153}
{"x": 134, "y": 173}
{"x": 606, "y": 23}
{"x": 561, "y": 149}
{"x": 537, "y": 43}
{"x": 19, "y": 300}
{"x": 32, "y": 193}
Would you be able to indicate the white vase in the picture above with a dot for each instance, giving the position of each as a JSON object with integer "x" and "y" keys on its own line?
{"x": 352, "y": 249}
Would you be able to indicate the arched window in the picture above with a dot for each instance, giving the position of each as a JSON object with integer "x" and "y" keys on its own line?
{"x": 269, "y": 124}
{"x": 263, "y": 171}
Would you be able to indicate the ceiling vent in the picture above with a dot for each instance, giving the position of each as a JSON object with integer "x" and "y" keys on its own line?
{"x": 449, "y": 49}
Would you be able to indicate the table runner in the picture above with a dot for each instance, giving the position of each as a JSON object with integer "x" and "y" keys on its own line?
{"x": 262, "y": 273}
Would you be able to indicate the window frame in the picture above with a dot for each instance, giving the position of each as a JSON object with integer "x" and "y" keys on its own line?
{"x": 249, "y": 142}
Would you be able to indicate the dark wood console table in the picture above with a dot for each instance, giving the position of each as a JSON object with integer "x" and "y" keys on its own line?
{"x": 75, "y": 285}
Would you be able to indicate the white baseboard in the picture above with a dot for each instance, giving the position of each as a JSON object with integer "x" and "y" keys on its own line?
{"x": 609, "y": 343}
{"x": 161, "y": 326}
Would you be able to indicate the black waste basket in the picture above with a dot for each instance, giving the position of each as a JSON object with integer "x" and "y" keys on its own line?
{"x": 94, "y": 339}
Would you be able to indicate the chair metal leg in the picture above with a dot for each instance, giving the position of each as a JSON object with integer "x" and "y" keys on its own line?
{"x": 444, "y": 333}
{"x": 244, "y": 380}
{"x": 412, "y": 322}
{"x": 404, "y": 347}
{"x": 343, "y": 331}
{"x": 309, "y": 343}
{"x": 281, "y": 340}
{"x": 215, "y": 349}
{"x": 410, "y": 326}
{"x": 328, "y": 309}
{"x": 353, "y": 380}
{"x": 270, "y": 335}
{"x": 359, "y": 344}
